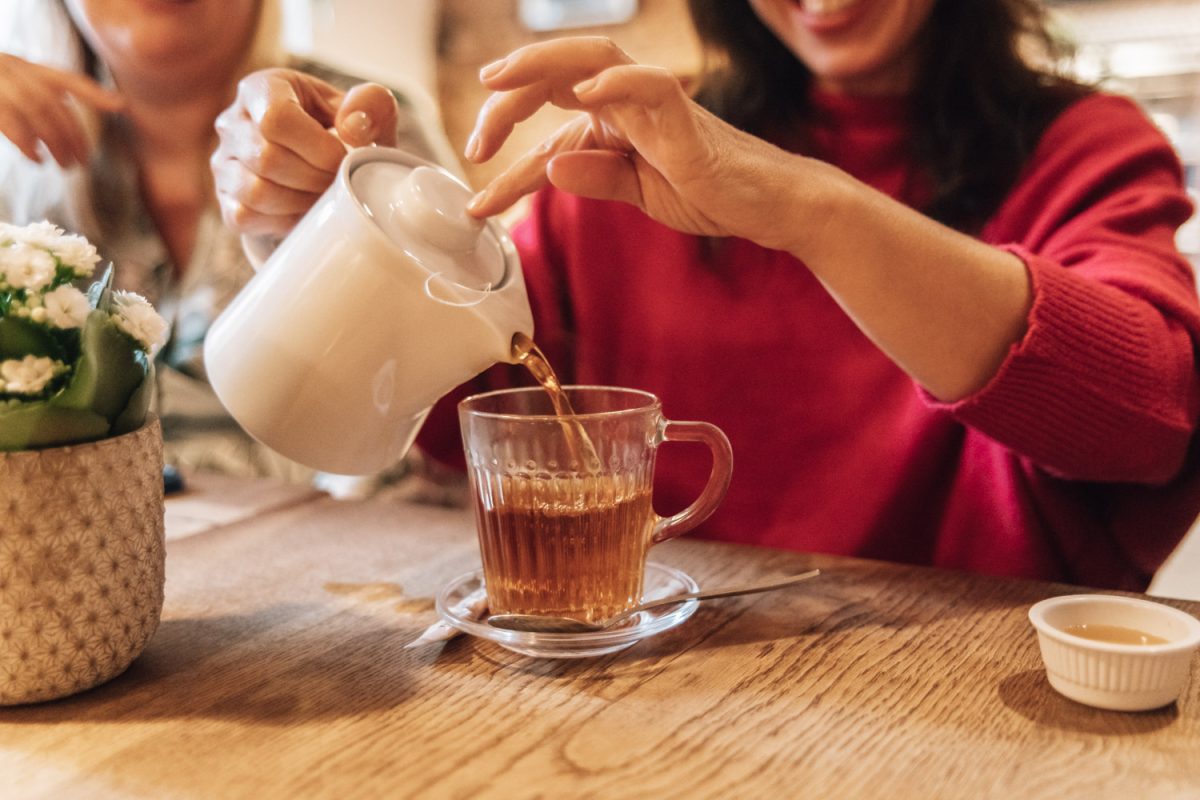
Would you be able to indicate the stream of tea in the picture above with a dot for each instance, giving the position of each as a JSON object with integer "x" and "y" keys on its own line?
{"x": 529, "y": 355}
{"x": 572, "y": 544}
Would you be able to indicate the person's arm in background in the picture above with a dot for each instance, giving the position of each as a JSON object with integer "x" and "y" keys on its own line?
{"x": 36, "y": 113}
{"x": 44, "y": 135}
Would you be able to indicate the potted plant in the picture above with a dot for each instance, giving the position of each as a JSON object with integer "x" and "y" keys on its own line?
{"x": 81, "y": 493}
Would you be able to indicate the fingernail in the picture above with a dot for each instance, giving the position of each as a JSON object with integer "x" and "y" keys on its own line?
{"x": 476, "y": 202}
{"x": 358, "y": 123}
{"x": 493, "y": 69}
{"x": 472, "y": 151}
{"x": 584, "y": 87}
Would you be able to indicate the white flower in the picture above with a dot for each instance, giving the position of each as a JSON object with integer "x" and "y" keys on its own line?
{"x": 24, "y": 266}
{"x": 77, "y": 253}
{"x": 29, "y": 375}
{"x": 73, "y": 251}
{"x": 133, "y": 314}
{"x": 66, "y": 307}
{"x": 9, "y": 233}
{"x": 39, "y": 234}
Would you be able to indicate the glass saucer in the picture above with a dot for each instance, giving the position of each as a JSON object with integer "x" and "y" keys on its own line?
{"x": 660, "y": 581}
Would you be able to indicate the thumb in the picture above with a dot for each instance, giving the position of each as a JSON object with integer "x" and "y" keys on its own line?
{"x": 368, "y": 115}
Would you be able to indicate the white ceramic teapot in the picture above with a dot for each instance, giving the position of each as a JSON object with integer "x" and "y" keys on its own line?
{"x": 384, "y": 297}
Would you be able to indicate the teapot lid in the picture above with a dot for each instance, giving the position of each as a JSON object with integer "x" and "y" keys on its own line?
{"x": 423, "y": 210}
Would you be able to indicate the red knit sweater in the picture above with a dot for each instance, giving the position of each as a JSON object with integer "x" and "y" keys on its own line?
{"x": 1074, "y": 463}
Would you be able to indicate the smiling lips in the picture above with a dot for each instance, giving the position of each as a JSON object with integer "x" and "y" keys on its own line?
{"x": 824, "y": 6}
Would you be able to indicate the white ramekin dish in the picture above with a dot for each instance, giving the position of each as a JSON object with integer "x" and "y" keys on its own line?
{"x": 1123, "y": 677}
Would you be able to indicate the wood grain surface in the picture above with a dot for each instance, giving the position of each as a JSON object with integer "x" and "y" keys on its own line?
{"x": 209, "y": 500}
{"x": 279, "y": 670}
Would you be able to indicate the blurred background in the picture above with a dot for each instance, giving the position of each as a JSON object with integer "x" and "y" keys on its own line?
{"x": 433, "y": 49}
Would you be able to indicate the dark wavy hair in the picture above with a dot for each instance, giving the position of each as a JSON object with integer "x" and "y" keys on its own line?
{"x": 979, "y": 106}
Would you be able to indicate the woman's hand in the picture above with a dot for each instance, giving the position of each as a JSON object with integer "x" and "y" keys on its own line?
{"x": 945, "y": 307}
{"x": 35, "y": 106}
{"x": 282, "y": 140}
{"x": 641, "y": 140}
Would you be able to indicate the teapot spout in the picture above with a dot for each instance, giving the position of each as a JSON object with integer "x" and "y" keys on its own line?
{"x": 520, "y": 348}
{"x": 526, "y": 352}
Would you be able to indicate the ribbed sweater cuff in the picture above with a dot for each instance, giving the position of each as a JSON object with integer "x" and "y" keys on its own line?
{"x": 1068, "y": 393}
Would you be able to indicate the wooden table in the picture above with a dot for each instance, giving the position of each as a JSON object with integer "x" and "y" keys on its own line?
{"x": 279, "y": 671}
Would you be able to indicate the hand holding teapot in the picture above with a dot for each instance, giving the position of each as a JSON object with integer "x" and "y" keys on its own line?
{"x": 385, "y": 296}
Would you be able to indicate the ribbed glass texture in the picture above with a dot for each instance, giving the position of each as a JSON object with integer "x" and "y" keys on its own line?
{"x": 559, "y": 534}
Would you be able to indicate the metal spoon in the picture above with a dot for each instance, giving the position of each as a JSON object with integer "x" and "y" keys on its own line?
{"x": 535, "y": 623}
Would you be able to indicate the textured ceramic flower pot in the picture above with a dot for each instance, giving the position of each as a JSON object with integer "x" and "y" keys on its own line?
{"x": 81, "y": 562}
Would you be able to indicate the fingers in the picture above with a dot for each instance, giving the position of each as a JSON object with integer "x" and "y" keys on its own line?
{"x": 498, "y": 116}
{"x": 242, "y": 142}
{"x": 36, "y": 105}
{"x": 250, "y": 204}
{"x": 528, "y": 173}
{"x": 633, "y": 109}
{"x": 81, "y": 87}
{"x": 293, "y": 110}
{"x": 30, "y": 115}
{"x": 567, "y": 60}
{"x": 641, "y": 89}
{"x": 262, "y": 196}
{"x": 531, "y": 77}
{"x": 15, "y": 126}
{"x": 368, "y": 115}
{"x": 57, "y": 124}
{"x": 275, "y": 155}
{"x": 598, "y": 174}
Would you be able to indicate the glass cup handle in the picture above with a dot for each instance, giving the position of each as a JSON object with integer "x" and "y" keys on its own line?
{"x": 718, "y": 479}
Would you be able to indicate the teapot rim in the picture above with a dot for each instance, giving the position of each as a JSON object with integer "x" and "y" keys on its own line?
{"x": 360, "y": 156}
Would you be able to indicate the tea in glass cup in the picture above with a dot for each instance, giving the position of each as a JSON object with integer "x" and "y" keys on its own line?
{"x": 563, "y": 503}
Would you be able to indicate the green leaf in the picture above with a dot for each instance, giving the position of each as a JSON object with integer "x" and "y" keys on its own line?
{"x": 37, "y": 424}
{"x": 109, "y": 371}
{"x": 63, "y": 274}
{"x": 139, "y": 405}
{"x": 20, "y": 337}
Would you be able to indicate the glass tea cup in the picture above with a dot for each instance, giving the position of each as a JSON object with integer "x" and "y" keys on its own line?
{"x": 563, "y": 503}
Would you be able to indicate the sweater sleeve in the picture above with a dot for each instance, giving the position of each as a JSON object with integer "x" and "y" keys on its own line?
{"x": 1103, "y": 386}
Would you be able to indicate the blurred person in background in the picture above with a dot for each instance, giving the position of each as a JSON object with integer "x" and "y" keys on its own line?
{"x": 106, "y": 128}
{"x": 927, "y": 287}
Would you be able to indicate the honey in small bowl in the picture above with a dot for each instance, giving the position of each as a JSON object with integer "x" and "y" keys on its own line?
{"x": 1115, "y": 634}
{"x": 1115, "y": 651}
